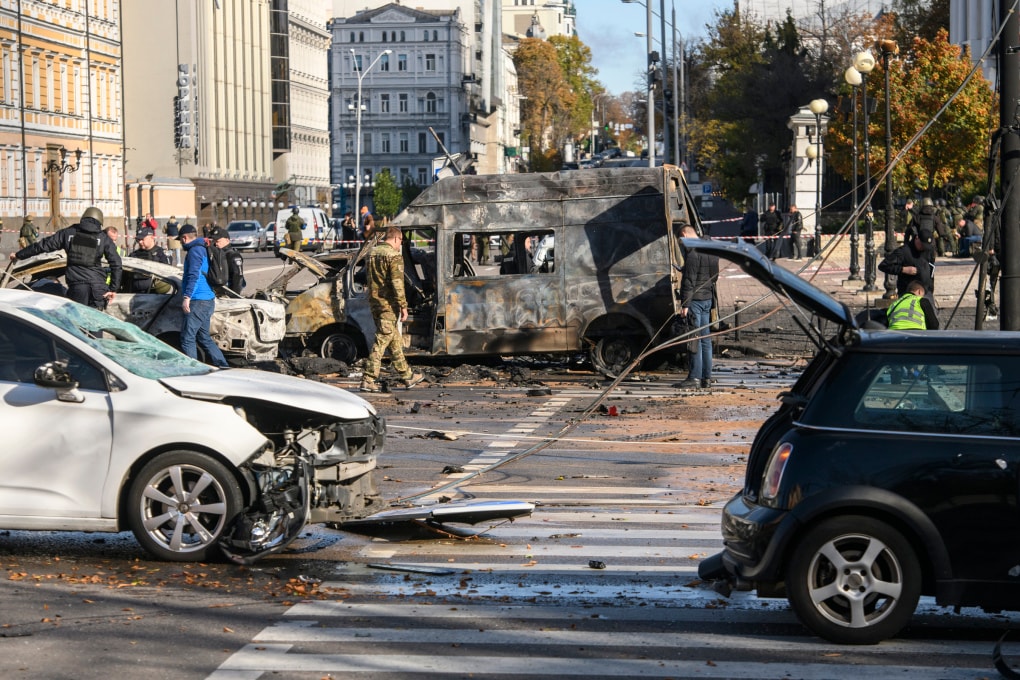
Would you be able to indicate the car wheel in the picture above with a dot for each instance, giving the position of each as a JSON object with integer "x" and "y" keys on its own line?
{"x": 339, "y": 346}
{"x": 854, "y": 580}
{"x": 180, "y": 504}
{"x": 611, "y": 355}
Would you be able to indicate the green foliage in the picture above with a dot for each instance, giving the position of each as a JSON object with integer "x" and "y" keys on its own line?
{"x": 409, "y": 191}
{"x": 387, "y": 195}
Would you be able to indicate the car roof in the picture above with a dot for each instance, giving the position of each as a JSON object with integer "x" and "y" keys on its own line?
{"x": 779, "y": 280}
{"x": 955, "y": 342}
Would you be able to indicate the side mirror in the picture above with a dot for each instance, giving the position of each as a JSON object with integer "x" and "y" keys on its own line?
{"x": 56, "y": 376}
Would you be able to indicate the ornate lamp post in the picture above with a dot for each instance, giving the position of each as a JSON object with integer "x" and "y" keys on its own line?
{"x": 888, "y": 48}
{"x": 854, "y": 79}
{"x": 815, "y": 151}
{"x": 358, "y": 107}
{"x": 55, "y": 168}
{"x": 864, "y": 62}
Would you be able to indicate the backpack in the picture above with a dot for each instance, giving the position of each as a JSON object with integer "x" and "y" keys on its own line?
{"x": 219, "y": 272}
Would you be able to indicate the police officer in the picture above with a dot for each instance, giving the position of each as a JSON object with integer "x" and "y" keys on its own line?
{"x": 86, "y": 246}
{"x": 235, "y": 263}
{"x": 912, "y": 310}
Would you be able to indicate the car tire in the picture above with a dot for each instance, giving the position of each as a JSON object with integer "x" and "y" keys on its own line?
{"x": 854, "y": 580}
{"x": 340, "y": 346}
{"x": 167, "y": 517}
{"x": 611, "y": 355}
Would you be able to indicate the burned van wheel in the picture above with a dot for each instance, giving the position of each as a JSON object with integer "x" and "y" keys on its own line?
{"x": 611, "y": 355}
{"x": 340, "y": 346}
{"x": 854, "y": 580}
{"x": 180, "y": 504}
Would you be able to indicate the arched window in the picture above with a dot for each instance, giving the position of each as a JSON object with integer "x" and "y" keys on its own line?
{"x": 435, "y": 36}
{"x": 393, "y": 36}
{"x": 430, "y": 103}
{"x": 361, "y": 36}
{"x": 384, "y": 36}
{"x": 426, "y": 36}
{"x": 352, "y": 36}
{"x": 402, "y": 39}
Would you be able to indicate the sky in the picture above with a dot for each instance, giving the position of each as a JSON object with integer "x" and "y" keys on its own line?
{"x": 608, "y": 26}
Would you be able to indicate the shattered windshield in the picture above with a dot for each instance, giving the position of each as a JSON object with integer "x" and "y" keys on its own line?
{"x": 124, "y": 343}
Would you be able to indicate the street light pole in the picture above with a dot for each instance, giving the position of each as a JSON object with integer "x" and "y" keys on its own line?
{"x": 357, "y": 148}
{"x": 888, "y": 49}
{"x": 650, "y": 103}
{"x": 864, "y": 62}
{"x": 818, "y": 107}
{"x": 853, "y": 78}
{"x": 678, "y": 86}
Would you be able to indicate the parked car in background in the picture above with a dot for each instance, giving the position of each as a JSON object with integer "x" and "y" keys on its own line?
{"x": 244, "y": 329}
{"x": 195, "y": 461}
{"x": 889, "y": 471}
{"x": 271, "y": 234}
{"x": 247, "y": 235}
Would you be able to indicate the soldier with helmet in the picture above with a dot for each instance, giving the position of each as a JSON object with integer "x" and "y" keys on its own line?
{"x": 86, "y": 245}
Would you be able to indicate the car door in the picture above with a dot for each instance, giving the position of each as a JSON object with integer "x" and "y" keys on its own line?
{"x": 56, "y": 453}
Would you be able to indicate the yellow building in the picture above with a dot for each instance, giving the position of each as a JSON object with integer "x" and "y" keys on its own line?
{"x": 61, "y": 132}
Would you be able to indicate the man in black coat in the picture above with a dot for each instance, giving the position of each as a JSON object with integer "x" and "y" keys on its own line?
{"x": 86, "y": 245}
{"x": 697, "y": 295}
{"x": 912, "y": 262}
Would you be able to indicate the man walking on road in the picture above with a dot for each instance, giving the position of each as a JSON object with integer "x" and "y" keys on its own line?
{"x": 388, "y": 303}
{"x": 199, "y": 300}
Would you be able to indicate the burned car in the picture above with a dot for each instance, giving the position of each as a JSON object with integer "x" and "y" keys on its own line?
{"x": 108, "y": 429}
{"x": 243, "y": 329}
{"x": 891, "y": 470}
{"x": 542, "y": 263}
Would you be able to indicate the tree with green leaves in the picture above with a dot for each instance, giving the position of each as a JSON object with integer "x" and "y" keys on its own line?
{"x": 953, "y": 149}
{"x": 540, "y": 79}
{"x": 575, "y": 61}
{"x": 387, "y": 195}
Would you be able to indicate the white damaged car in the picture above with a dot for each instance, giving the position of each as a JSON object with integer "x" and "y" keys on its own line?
{"x": 106, "y": 429}
{"x": 243, "y": 328}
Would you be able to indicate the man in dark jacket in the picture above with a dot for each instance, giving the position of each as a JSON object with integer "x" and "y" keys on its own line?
{"x": 235, "y": 263}
{"x": 148, "y": 250}
{"x": 911, "y": 262}
{"x": 86, "y": 246}
{"x": 772, "y": 228}
{"x": 697, "y": 292}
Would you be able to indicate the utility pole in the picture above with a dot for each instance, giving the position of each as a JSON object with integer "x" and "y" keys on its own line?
{"x": 1009, "y": 105}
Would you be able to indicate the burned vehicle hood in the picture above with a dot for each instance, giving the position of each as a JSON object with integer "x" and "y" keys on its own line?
{"x": 289, "y": 391}
{"x": 779, "y": 280}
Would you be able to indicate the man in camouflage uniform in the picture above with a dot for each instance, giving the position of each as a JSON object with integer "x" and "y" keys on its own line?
{"x": 385, "y": 269}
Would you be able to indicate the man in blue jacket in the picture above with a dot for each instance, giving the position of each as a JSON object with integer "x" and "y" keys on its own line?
{"x": 199, "y": 300}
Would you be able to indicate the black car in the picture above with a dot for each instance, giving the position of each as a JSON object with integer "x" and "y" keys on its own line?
{"x": 890, "y": 471}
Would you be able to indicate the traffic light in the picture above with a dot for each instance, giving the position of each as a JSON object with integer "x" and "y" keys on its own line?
{"x": 654, "y": 73}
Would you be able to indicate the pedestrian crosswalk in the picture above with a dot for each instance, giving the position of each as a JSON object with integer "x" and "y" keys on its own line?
{"x": 524, "y": 600}
{"x": 601, "y": 581}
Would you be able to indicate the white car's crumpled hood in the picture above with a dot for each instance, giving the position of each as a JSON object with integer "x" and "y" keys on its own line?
{"x": 272, "y": 387}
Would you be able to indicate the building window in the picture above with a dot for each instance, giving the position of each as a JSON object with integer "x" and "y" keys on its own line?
{"x": 402, "y": 103}
{"x": 405, "y": 145}
{"x": 349, "y": 142}
{"x": 384, "y": 103}
{"x": 435, "y": 36}
{"x": 422, "y": 143}
{"x": 352, "y": 36}
{"x": 384, "y": 36}
{"x": 441, "y": 137}
{"x": 361, "y": 36}
{"x": 384, "y": 142}
{"x": 405, "y": 175}
{"x": 393, "y": 36}
{"x": 402, "y": 39}
{"x": 430, "y": 62}
{"x": 401, "y": 62}
{"x": 357, "y": 63}
{"x": 423, "y": 176}
{"x": 430, "y": 103}
{"x": 384, "y": 62}
{"x": 426, "y": 36}
{"x": 366, "y": 141}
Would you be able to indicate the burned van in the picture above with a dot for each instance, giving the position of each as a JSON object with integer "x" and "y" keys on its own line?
{"x": 516, "y": 264}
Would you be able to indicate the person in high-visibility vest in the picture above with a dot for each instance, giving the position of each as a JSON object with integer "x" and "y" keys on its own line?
{"x": 913, "y": 311}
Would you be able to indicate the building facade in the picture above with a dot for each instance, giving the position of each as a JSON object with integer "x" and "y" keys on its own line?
{"x": 539, "y": 18}
{"x": 61, "y": 125}
{"x": 405, "y": 68}
{"x": 198, "y": 108}
{"x": 301, "y": 161}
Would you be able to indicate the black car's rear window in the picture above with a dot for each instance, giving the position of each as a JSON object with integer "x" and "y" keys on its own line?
{"x": 934, "y": 394}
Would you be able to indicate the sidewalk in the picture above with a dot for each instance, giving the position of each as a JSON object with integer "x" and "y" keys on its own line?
{"x": 778, "y": 335}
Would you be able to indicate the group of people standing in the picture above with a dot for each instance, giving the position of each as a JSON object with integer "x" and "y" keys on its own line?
{"x": 95, "y": 272}
{"x": 777, "y": 229}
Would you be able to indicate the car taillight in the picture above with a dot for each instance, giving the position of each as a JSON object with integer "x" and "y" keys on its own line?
{"x": 773, "y": 476}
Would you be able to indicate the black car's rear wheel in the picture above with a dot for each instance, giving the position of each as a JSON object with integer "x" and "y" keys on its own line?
{"x": 180, "y": 503}
{"x": 854, "y": 580}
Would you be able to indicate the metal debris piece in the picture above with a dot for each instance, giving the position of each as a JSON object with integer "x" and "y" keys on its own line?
{"x": 413, "y": 570}
{"x": 596, "y": 564}
{"x": 539, "y": 392}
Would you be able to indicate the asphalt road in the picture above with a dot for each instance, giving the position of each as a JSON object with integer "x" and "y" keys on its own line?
{"x": 600, "y": 581}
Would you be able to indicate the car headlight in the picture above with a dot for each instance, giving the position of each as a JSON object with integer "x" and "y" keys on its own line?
{"x": 773, "y": 477}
